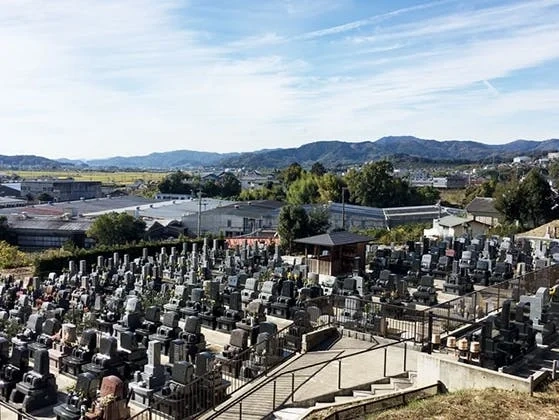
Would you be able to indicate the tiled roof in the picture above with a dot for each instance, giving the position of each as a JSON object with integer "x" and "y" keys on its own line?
{"x": 334, "y": 239}
{"x": 482, "y": 206}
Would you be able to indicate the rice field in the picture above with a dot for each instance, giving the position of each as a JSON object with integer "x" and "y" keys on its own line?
{"x": 106, "y": 177}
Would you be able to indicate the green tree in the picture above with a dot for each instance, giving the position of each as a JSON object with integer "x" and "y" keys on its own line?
{"x": 116, "y": 228}
{"x": 304, "y": 190}
{"x": 374, "y": 185}
{"x": 11, "y": 256}
{"x": 537, "y": 198}
{"x": 318, "y": 169}
{"x": 177, "y": 183}
{"x": 4, "y": 228}
{"x": 290, "y": 174}
{"x": 269, "y": 191}
{"x": 44, "y": 197}
{"x": 553, "y": 171}
{"x": 293, "y": 223}
{"x": 230, "y": 186}
{"x": 486, "y": 189}
{"x": 319, "y": 221}
{"x": 424, "y": 195}
{"x": 330, "y": 188}
{"x": 508, "y": 201}
{"x": 530, "y": 202}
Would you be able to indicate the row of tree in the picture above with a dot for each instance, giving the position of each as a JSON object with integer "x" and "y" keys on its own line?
{"x": 373, "y": 185}
{"x": 524, "y": 197}
{"x": 226, "y": 185}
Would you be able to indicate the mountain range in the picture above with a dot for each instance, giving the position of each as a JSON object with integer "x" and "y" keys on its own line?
{"x": 329, "y": 153}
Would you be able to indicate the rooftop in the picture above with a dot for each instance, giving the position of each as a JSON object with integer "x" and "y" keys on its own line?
{"x": 49, "y": 223}
{"x": 451, "y": 221}
{"x": 483, "y": 206}
{"x": 334, "y": 239}
{"x": 87, "y": 206}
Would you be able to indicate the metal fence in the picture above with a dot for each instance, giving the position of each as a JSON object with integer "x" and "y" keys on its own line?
{"x": 404, "y": 322}
{"x": 368, "y": 317}
{"x": 7, "y": 412}
{"x": 362, "y": 316}
{"x": 280, "y": 388}
{"x": 211, "y": 389}
{"x": 471, "y": 307}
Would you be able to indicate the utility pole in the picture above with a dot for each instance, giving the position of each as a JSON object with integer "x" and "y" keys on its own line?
{"x": 199, "y": 212}
{"x": 344, "y": 189}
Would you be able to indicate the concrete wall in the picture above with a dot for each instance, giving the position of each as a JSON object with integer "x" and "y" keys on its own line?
{"x": 313, "y": 339}
{"x": 455, "y": 376}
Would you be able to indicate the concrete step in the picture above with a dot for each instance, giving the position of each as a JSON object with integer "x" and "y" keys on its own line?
{"x": 363, "y": 394}
{"x": 323, "y": 404}
{"x": 344, "y": 399}
{"x": 290, "y": 413}
{"x": 375, "y": 387}
{"x": 401, "y": 383}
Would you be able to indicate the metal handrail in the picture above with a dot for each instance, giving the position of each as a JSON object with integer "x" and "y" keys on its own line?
{"x": 19, "y": 412}
{"x": 503, "y": 284}
{"x": 229, "y": 366}
{"x": 239, "y": 399}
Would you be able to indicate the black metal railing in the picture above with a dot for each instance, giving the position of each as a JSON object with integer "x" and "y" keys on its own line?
{"x": 211, "y": 389}
{"x": 469, "y": 308}
{"x": 7, "y": 411}
{"x": 290, "y": 375}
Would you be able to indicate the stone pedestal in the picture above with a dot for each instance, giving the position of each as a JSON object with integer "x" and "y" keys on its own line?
{"x": 152, "y": 378}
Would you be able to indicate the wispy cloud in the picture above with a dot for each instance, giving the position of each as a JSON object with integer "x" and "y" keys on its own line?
{"x": 490, "y": 87}
{"x": 88, "y": 78}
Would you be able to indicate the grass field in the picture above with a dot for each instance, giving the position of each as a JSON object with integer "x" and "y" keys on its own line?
{"x": 105, "y": 177}
{"x": 455, "y": 197}
{"x": 480, "y": 405}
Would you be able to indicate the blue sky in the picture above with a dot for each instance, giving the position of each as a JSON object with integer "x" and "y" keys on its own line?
{"x": 97, "y": 78}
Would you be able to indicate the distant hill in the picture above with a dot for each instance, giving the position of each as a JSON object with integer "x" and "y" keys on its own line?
{"x": 331, "y": 153}
{"x": 30, "y": 162}
{"x": 165, "y": 160}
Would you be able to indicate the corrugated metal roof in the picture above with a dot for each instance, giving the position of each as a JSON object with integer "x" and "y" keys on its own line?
{"x": 82, "y": 206}
{"x": 250, "y": 209}
{"x": 49, "y": 223}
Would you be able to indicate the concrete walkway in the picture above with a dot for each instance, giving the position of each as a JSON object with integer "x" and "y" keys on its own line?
{"x": 317, "y": 381}
{"x": 357, "y": 370}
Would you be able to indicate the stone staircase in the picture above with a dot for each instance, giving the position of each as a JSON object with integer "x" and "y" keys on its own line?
{"x": 256, "y": 401}
{"x": 385, "y": 387}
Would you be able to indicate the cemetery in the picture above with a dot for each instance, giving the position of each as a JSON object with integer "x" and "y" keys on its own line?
{"x": 194, "y": 332}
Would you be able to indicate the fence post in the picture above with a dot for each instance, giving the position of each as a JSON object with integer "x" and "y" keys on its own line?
{"x": 292, "y": 387}
{"x": 429, "y": 332}
{"x": 554, "y": 370}
{"x": 498, "y": 296}
{"x": 475, "y": 306}
{"x": 339, "y": 374}
{"x": 240, "y": 410}
{"x": 405, "y": 354}
{"x": 384, "y": 370}
{"x": 274, "y": 397}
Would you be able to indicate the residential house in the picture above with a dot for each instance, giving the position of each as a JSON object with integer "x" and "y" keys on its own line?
{"x": 454, "y": 226}
{"x": 482, "y": 209}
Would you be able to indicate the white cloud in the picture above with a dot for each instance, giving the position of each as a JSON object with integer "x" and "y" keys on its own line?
{"x": 85, "y": 78}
